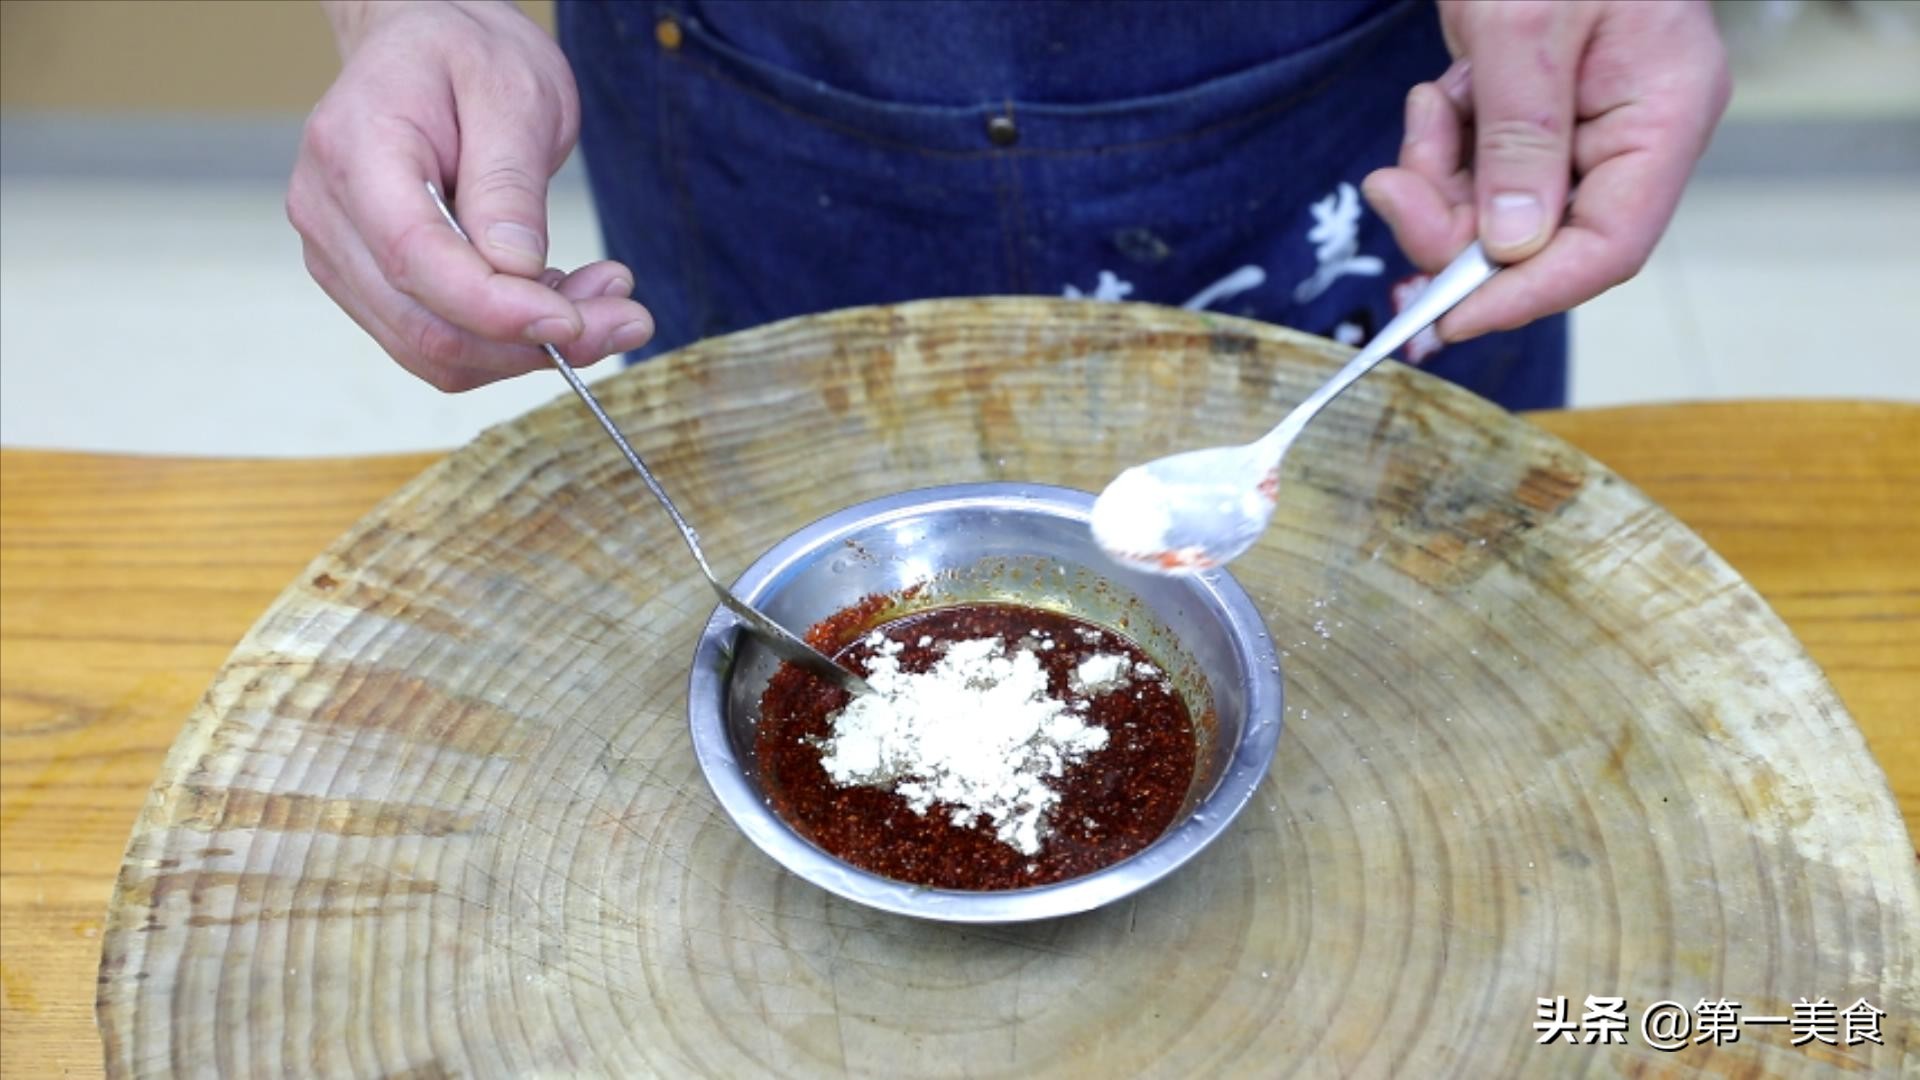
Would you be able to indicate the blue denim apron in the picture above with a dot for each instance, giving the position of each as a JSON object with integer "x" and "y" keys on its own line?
{"x": 753, "y": 161}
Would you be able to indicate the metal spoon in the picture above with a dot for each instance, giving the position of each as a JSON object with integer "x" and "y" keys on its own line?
{"x": 782, "y": 641}
{"x": 1197, "y": 510}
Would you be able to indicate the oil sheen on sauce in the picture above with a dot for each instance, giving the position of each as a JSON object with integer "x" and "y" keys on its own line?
{"x": 1113, "y": 802}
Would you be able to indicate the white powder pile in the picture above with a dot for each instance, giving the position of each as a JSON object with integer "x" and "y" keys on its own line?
{"x": 977, "y": 733}
{"x": 1099, "y": 674}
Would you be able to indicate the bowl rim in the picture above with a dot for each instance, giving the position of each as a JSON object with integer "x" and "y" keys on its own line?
{"x": 707, "y": 687}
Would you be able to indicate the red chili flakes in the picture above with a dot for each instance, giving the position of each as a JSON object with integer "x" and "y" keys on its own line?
{"x": 1113, "y": 804}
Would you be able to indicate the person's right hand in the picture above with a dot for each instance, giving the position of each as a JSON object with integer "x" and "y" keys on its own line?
{"x": 476, "y": 98}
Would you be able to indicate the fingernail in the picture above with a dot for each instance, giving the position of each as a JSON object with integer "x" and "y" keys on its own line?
{"x": 1513, "y": 219}
{"x": 629, "y": 336}
{"x": 550, "y": 329}
{"x": 618, "y": 286}
{"x": 516, "y": 239}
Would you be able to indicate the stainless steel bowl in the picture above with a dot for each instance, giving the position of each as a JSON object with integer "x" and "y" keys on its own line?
{"x": 1017, "y": 543}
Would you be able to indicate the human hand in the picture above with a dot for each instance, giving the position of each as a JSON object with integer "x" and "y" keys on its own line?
{"x": 474, "y": 97}
{"x": 1618, "y": 96}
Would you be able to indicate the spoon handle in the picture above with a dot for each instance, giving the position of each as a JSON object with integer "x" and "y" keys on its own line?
{"x": 784, "y": 642}
{"x": 1468, "y": 271}
{"x": 593, "y": 406}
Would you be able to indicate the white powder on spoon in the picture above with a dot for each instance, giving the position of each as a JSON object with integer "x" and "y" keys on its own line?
{"x": 978, "y": 733}
{"x": 1130, "y": 518}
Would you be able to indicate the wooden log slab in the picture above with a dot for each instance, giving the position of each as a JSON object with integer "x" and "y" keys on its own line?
{"x": 438, "y": 815}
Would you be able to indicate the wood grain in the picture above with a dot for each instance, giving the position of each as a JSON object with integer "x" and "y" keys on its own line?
{"x": 1815, "y": 505}
{"x": 124, "y": 582}
{"x": 151, "y": 568}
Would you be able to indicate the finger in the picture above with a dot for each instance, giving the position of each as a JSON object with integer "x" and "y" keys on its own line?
{"x": 325, "y": 275}
{"x": 440, "y": 353}
{"x": 1525, "y": 63}
{"x": 339, "y": 286}
{"x": 1457, "y": 84}
{"x": 416, "y": 253}
{"x": 1571, "y": 270}
{"x": 1427, "y": 200}
{"x": 453, "y": 359}
{"x": 1608, "y": 236}
{"x": 612, "y": 321}
{"x": 1429, "y": 226}
{"x": 1436, "y": 128}
{"x": 603, "y": 278}
{"x": 614, "y": 324}
{"x": 445, "y": 357}
{"x": 506, "y": 155}
{"x": 1670, "y": 134}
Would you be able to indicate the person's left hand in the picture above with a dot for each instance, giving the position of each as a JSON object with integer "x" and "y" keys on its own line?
{"x": 1618, "y": 96}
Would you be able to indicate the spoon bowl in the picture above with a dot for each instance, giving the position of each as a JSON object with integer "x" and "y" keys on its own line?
{"x": 1200, "y": 509}
{"x": 1189, "y": 512}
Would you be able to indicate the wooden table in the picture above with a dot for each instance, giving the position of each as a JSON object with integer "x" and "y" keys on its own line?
{"x": 125, "y": 582}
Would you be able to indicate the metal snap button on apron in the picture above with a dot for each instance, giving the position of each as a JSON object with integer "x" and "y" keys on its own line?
{"x": 667, "y": 33}
{"x": 1001, "y": 130}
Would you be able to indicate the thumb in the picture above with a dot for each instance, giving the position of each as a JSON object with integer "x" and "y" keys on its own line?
{"x": 1524, "y": 71}
{"x": 506, "y": 157}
